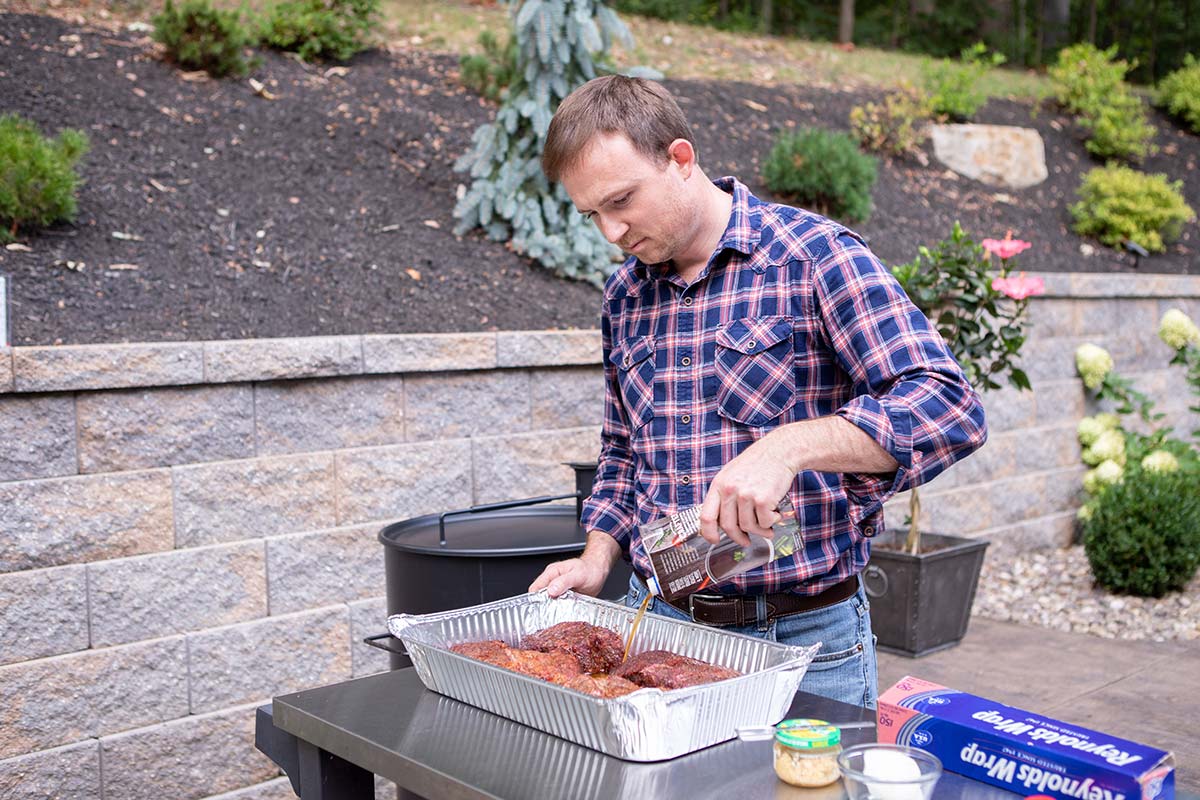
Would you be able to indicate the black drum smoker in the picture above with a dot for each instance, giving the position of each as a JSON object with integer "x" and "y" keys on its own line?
{"x": 475, "y": 555}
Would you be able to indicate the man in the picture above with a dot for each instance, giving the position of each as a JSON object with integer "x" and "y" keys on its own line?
{"x": 751, "y": 350}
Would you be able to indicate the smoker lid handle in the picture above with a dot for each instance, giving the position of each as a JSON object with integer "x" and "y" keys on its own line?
{"x": 529, "y": 501}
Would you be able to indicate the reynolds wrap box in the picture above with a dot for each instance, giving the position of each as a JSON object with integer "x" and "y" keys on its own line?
{"x": 1019, "y": 751}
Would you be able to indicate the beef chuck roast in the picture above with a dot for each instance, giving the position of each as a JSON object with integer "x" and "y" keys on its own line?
{"x": 597, "y": 649}
{"x": 599, "y": 685}
{"x": 556, "y": 666}
{"x": 666, "y": 670}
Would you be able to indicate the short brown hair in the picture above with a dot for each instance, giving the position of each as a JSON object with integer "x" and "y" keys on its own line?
{"x": 642, "y": 110}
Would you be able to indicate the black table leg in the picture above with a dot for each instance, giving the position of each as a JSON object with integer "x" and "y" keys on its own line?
{"x": 315, "y": 774}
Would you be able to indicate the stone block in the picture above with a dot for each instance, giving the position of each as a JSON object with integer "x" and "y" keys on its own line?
{"x": 63, "y": 699}
{"x": 992, "y": 461}
{"x": 233, "y": 360}
{"x": 1059, "y": 401}
{"x": 278, "y": 789}
{"x": 367, "y": 618}
{"x": 107, "y": 366}
{"x": 309, "y": 570}
{"x": 185, "y": 759}
{"x": 254, "y": 661}
{"x": 466, "y": 404}
{"x": 959, "y": 512}
{"x": 386, "y": 483}
{"x": 1051, "y": 316}
{"x": 548, "y": 348}
{"x": 87, "y": 518}
{"x": 328, "y": 414}
{"x": 428, "y": 352}
{"x": 71, "y": 772}
{"x": 1100, "y": 316}
{"x": 567, "y": 398}
{"x": 1052, "y": 447}
{"x": 257, "y": 497}
{"x": 164, "y": 427}
{"x": 43, "y": 612}
{"x": 37, "y": 436}
{"x": 1050, "y": 531}
{"x": 6, "y": 369}
{"x": 1008, "y": 409}
{"x": 157, "y": 595}
{"x": 531, "y": 464}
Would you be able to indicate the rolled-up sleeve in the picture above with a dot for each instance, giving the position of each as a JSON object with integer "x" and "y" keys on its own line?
{"x": 909, "y": 393}
{"x": 610, "y": 508}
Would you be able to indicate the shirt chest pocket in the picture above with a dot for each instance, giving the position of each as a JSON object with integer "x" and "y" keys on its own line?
{"x": 755, "y": 366}
{"x": 634, "y": 360}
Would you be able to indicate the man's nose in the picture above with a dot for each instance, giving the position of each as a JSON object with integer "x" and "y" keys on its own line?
{"x": 612, "y": 229}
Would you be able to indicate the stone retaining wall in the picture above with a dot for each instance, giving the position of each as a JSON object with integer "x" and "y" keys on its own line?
{"x": 188, "y": 529}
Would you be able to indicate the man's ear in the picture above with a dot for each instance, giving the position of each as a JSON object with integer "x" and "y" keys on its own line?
{"x": 683, "y": 157}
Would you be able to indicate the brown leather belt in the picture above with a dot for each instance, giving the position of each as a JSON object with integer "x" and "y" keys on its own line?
{"x": 720, "y": 610}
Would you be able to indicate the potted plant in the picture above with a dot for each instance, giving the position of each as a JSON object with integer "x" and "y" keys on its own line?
{"x": 924, "y": 583}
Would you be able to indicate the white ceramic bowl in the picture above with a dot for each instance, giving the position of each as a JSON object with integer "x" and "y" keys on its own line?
{"x": 889, "y": 772}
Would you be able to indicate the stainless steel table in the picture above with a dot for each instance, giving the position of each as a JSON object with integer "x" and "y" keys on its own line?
{"x": 333, "y": 739}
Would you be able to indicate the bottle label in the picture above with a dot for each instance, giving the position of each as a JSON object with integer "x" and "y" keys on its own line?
{"x": 684, "y": 562}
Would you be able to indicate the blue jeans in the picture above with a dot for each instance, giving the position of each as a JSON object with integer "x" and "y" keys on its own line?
{"x": 844, "y": 668}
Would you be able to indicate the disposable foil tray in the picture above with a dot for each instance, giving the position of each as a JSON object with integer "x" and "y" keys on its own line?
{"x": 646, "y": 725}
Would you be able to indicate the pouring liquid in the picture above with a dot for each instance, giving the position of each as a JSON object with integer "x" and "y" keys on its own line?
{"x": 637, "y": 620}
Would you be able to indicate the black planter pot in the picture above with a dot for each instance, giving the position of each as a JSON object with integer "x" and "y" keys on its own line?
{"x": 921, "y": 604}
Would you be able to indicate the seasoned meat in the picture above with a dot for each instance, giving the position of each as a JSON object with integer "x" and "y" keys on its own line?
{"x": 556, "y": 666}
{"x": 597, "y": 649}
{"x": 600, "y": 685}
{"x": 667, "y": 670}
{"x": 492, "y": 651}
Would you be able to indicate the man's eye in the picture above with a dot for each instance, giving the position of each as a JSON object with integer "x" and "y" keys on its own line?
{"x": 620, "y": 201}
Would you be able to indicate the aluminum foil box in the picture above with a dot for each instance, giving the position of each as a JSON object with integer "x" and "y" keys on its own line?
{"x": 646, "y": 725}
{"x": 1020, "y": 751}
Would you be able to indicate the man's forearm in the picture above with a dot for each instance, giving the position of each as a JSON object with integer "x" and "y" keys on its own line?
{"x": 601, "y": 549}
{"x": 831, "y": 444}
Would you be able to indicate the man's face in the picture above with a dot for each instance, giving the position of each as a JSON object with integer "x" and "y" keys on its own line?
{"x": 638, "y": 204}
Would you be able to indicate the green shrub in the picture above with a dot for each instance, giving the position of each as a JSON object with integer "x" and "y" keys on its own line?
{"x": 491, "y": 72}
{"x": 1118, "y": 203}
{"x": 1179, "y": 93}
{"x": 1143, "y": 534}
{"x": 896, "y": 126}
{"x": 37, "y": 175}
{"x": 198, "y": 36}
{"x": 331, "y": 30}
{"x": 953, "y": 87}
{"x": 1120, "y": 129}
{"x": 1085, "y": 77}
{"x": 822, "y": 170}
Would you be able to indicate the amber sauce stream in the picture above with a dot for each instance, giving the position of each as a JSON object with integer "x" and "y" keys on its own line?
{"x": 637, "y": 620}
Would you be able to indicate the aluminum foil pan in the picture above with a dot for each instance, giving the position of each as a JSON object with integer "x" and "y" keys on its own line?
{"x": 647, "y": 725}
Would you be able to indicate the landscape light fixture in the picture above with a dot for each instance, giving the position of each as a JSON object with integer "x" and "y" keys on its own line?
{"x": 1138, "y": 251}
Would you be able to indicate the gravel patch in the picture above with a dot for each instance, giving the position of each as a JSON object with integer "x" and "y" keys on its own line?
{"x": 1054, "y": 589}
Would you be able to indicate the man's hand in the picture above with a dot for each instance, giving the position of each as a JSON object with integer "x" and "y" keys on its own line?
{"x": 743, "y": 497}
{"x": 585, "y": 574}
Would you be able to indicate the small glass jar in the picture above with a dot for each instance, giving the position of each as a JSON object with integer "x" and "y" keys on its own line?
{"x": 806, "y": 752}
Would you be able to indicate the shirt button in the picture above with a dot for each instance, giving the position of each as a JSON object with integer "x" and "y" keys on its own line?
{"x": 685, "y": 361}
{"x": 685, "y": 480}
{"x": 868, "y": 530}
{"x": 685, "y": 419}
{"x": 687, "y": 301}
{"x": 628, "y": 361}
{"x": 752, "y": 345}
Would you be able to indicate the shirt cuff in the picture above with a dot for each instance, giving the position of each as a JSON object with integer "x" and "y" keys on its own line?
{"x": 607, "y": 517}
{"x": 890, "y": 426}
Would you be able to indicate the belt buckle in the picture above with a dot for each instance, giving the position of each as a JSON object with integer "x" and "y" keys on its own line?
{"x": 702, "y": 596}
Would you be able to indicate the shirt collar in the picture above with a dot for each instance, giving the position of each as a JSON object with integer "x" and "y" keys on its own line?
{"x": 742, "y": 233}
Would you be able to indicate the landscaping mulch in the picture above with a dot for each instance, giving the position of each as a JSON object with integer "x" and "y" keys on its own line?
{"x": 328, "y": 209}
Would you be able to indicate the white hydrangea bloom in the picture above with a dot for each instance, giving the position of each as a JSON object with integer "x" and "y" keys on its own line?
{"x": 1110, "y": 447}
{"x": 1089, "y": 430}
{"x": 1093, "y": 363}
{"x": 1178, "y": 330}
{"x": 1085, "y": 512}
{"x": 1096, "y": 479}
{"x": 1160, "y": 461}
{"x": 1109, "y": 422}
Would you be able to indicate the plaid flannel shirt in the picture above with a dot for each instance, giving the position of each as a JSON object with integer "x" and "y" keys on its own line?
{"x": 793, "y": 318}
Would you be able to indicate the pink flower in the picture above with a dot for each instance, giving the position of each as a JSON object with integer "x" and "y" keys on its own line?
{"x": 1018, "y": 287}
{"x": 1005, "y": 248}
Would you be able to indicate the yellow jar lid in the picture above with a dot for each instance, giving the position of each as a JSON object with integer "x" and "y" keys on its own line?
{"x": 807, "y": 734}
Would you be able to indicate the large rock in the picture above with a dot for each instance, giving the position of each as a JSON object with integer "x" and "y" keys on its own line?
{"x": 998, "y": 155}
